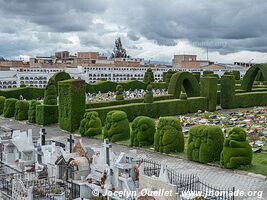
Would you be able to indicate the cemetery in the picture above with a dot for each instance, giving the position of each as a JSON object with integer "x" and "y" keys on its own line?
{"x": 212, "y": 120}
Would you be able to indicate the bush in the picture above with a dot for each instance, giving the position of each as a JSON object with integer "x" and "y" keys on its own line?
{"x": 71, "y": 104}
{"x": 209, "y": 89}
{"x": 149, "y": 76}
{"x": 119, "y": 93}
{"x": 116, "y": 126}
{"x": 32, "y": 111}
{"x": 205, "y": 143}
{"x": 2, "y": 104}
{"x": 250, "y": 99}
{"x": 50, "y": 97}
{"x": 167, "y": 76}
{"x": 143, "y": 130}
{"x": 169, "y": 137}
{"x": 148, "y": 97}
{"x": 236, "y": 149}
{"x": 59, "y": 76}
{"x": 46, "y": 114}
{"x": 207, "y": 73}
{"x": 21, "y": 110}
{"x": 22, "y": 85}
{"x": 227, "y": 95}
{"x": 27, "y": 93}
{"x": 90, "y": 125}
{"x": 9, "y": 107}
{"x": 183, "y": 96}
{"x": 185, "y": 79}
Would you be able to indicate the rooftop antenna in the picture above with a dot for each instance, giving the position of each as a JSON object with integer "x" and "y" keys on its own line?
{"x": 207, "y": 53}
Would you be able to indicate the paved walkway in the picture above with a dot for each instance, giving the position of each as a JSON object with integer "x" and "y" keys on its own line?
{"x": 215, "y": 176}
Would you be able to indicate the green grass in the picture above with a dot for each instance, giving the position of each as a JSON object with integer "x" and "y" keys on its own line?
{"x": 259, "y": 164}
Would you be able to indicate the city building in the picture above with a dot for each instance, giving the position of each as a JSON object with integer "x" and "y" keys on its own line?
{"x": 188, "y": 61}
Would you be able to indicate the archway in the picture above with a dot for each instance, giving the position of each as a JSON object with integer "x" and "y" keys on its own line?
{"x": 188, "y": 81}
{"x": 251, "y": 74}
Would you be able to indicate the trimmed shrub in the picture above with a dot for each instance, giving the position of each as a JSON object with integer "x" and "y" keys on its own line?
{"x": 60, "y": 76}
{"x": 148, "y": 97}
{"x": 196, "y": 75}
{"x": 119, "y": 93}
{"x": 236, "y": 149}
{"x": 2, "y": 104}
{"x": 159, "y": 85}
{"x": 205, "y": 143}
{"x": 117, "y": 126}
{"x": 32, "y": 111}
{"x": 90, "y": 125}
{"x": 50, "y": 97}
{"x": 27, "y": 93}
{"x": 185, "y": 79}
{"x": 71, "y": 104}
{"x": 206, "y": 73}
{"x": 22, "y": 85}
{"x": 209, "y": 89}
{"x": 46, "y": 114}
{"x": 143, "y": 130}
{"x": 183, "y": 96}
{"x": 227, "y": 95}
{"x": 250, "y": 99}
{"x": 21, "y": 110}
{"x": 149, "y": 76}
{"x": 9, "y": 107}
{"x": 169, "y": 137}
{"x": 236, "y": 74}
{"x": 167, "y": 76}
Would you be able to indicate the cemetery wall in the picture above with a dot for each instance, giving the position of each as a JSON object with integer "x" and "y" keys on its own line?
{"x": 26, "y": 92}
{"x": 156, "y": 109}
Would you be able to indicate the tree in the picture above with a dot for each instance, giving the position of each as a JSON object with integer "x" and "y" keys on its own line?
{"x": 149, "y": 76}
{"x": 118, "y": 51}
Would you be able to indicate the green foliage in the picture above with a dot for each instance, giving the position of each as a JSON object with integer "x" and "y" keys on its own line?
{"x": 250, "y": 99}
{"x": 159, "y": 85}
{"x": 23, "y": 85}
{"x": 117, "y": 126}
{"x": 149, "y": 76}
{"x": 148, "y": 97}
{"x": 2, "y": 104}
{"x": 32, "y": 111}
{"x": 27, "y": 93}
{"x": 157, "y": 108}
{"x": 186, "y": 80}
{"x": 60, "y": 76}
{"x": 9, "y": 107}
{"x": 205, "y": 143}
{"x": 227, "y": 95}
{"x": 143, "y": 130}
{"x": 167, "y": 76}
{"x": 71, "y": 104}
{"x": 208, "y": 87}
{"x": 119, "y": 92}
{"x": 251, "y": 75}
{"x": 235, "y": 73}
{"x": 21, "y": 110}
{"x": 90, "y": 124}
{"x": 169, "y": 137}
{"x": 196, "y": 75}
{"x": 183, "y": 96}
{"x": 207, "y": 73}
{"x": 118, "y": 51}
{"x": 236, "y": 149}
{"x": 50, "y": 97}
{"x": 46, "y": 114}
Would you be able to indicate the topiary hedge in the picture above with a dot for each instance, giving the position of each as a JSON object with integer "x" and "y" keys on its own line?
{"x": 167, "y": 76}
{"x": 117, "y": 126}
{"x": 50, "y": 97}
{"x": 148, "y": 97}
{"x": 32, "y": 111}
{"x": 71, "y": 104}
{"x": 209, "y": 89}
{"x": 250, "y": 99}
{"x": 143, "y": 130}
{"x": 21, "y": 110}
{"x": 169, "y": 137}
{"x": 2, "y": 104}
{"x": 90, "y": 125}
{"x": 185, "y": 79}
{"x": 119, "y": 93}
{"x": 46, "y": 114}
{"x": 27, "y": 93}
{"x": 227, "y": 95}
{"x": 9, "y": 107}
{"x": 207, "y": 73}
{"x": 236, "y": 149}
{"x": 205, "y": 143}
{"x": 149, "y": 76}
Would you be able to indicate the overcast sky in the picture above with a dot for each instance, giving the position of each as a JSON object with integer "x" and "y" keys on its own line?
{"x": 232, "y": 30}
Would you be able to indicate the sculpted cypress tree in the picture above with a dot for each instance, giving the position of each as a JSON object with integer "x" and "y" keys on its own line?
{"x": 119, "y": 92}
{"x": 148, "y": 98}
{"x": 149, "y": 76}
{"x": 50, "y": 97}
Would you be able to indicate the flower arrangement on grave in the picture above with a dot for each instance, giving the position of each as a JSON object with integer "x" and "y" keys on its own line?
{"x": 136, "y": 171}
{"x": 103, "y": 179}
{"x": 74, "y": 162}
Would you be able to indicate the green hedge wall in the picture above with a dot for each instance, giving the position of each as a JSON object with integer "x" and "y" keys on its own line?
{"x": 21, "y": 110}
{"x": 9, "y": 107}
{"x": 205, "y": 143}
{"x": 32, "y": 111}
{"x": 206, "y": 73}
{"x": 236, "y": 149}
{"x": 46, "y": 114}
{"x": 156, "y": 109}
{"x": 90, "y": 124}
{"x": 2, "y": 104}
{"x": 169, "y": 137}
{"x": 50, "y": 97}
{"x": 27, "y": 93}
{"x": 185, "y": 79}
{"x": 143, "y": 130}
{"x": 159, "y": 85}
{"x": 227, "y": 94}
{"x": 71, "y": 104}
{"x": 209, "y": 89}
{"x": 117, "y": 126}
{"x": 250, "y": 99}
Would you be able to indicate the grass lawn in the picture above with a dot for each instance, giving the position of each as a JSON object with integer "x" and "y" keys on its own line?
{"x": 259, "y": 164}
